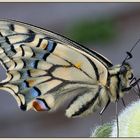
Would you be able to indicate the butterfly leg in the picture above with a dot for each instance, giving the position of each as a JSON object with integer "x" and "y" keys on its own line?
{"x": 117, "y": 120}
{"x": 123, "y": 102}
{"x": 136, "y": 83}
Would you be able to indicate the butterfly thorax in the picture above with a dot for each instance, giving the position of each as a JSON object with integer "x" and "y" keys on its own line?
{"x": 119, "y": 80}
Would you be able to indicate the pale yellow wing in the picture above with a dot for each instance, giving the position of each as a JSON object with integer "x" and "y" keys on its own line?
{"x": 44, "y": 69}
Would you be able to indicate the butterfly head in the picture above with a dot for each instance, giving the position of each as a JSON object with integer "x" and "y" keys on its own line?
{"x": 126, "y": 75}
{"x": 126, "y": 70}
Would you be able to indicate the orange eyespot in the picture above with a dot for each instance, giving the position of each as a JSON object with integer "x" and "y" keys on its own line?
{"x": 37, "y": 106}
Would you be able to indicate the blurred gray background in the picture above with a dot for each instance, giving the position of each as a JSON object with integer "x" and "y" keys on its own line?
{"x": 117, "y": 31}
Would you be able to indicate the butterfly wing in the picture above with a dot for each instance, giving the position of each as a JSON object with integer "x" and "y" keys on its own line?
{"x": 44, "y": 68}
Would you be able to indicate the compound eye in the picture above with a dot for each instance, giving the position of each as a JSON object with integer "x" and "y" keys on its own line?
{"x": 123, "y": 69}
{"x": 130, "y": 76}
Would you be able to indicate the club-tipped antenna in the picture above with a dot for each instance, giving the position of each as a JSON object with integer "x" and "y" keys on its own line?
{"x": 134, "y": 45}
{"x": 129, "y": 55}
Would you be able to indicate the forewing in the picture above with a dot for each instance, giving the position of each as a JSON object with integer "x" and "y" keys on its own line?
{"x": 43, "y": 68}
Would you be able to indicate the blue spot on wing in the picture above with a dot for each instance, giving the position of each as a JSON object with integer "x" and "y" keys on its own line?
{"x": 31, "y": 93}
{"x": 23, "y": 85}
{"x": 51, "y": 46}
{"x": 40, "y": 55}
{"x": 30, "y": 63}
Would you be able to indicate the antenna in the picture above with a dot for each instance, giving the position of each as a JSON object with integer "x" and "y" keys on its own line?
{"x": 129, "y": 55}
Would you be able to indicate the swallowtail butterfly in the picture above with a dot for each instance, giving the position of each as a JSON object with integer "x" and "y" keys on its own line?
{"x": 45, "y": 69}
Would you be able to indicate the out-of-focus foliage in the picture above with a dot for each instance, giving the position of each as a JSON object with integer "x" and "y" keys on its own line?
{"x": 129, "y": 124}
{"x": 100, "y": 31}
{"x": 103, "y": 131}
{"x": 129, "y": 121}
